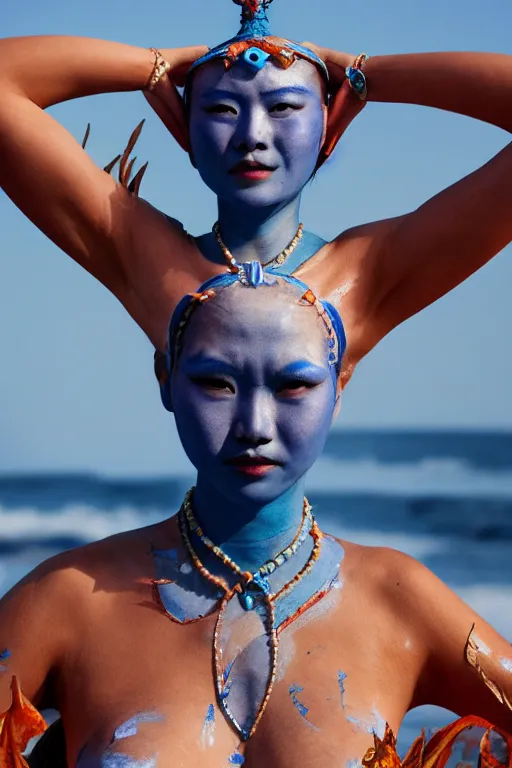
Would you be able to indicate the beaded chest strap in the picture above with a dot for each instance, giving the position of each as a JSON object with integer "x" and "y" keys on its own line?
{"x": 253, "y": 608}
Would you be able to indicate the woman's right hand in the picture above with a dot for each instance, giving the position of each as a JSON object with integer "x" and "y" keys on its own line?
{"x": 344, "y": 105}
{"x": 165, "y": 100}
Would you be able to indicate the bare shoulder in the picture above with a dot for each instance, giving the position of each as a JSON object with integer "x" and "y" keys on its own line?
{"x": 45, "y": 616}
{"x": 403, "y": 585}
{"x": 55, "y": 584}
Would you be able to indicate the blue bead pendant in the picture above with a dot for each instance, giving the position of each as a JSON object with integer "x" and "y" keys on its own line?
{"x": 246, "y": 601}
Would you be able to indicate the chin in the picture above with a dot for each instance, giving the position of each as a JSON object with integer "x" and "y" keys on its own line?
{"x": 264, "y": 194}
{"x": 258, "y": 491}
{"x": 257, "y": 197}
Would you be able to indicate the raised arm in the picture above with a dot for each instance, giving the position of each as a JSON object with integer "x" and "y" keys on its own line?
{"x": 53, "y": 181}
{"x": 399, "y": 266}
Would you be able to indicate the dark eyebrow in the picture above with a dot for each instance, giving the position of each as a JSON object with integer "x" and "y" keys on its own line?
{"x": 207, "y": 365}
{"x": 290, "y": 90}
{"x": 218, "y": 93}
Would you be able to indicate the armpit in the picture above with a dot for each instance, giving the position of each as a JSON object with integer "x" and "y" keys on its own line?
{"x": 20, "y": 723}
{"x": 492, "y": 668}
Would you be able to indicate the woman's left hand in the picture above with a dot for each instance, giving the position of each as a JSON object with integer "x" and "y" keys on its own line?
{"x": 344, "y": 104}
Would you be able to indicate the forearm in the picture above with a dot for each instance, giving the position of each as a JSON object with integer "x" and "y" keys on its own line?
{"x": 51, "y": 69}
{"x": 478, "y": 85}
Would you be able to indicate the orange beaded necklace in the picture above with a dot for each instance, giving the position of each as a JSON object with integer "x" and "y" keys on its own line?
{"x": 253, "y": 592}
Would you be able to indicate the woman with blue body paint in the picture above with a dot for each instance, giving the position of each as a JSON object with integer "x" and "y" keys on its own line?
{"x": 236, "y": 632}
{"x": 261, "y": 115}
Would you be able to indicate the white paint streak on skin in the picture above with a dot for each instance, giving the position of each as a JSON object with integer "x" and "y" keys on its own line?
{"x": 286, "y": 654}
{"x": 374, "y": 723}
{"x": 380, "y": 724}
{"x": 208, "y": 732}
{"x": 342, "y": 290}
{"x": 482, "y": 647}
{"x": 353, "y": 763}
{"x": 506, "y": 664}
{"x": 286, "y": 642}
{"x": 319, "y": 609}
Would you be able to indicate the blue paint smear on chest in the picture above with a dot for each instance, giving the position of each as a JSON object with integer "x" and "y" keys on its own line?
{"x": 236, "y": 758}
{"x": 342, "y": 676}
{"x": 112, "y": 759}
{"x": 294, "y": 690}
{"x": 131, "y": 726}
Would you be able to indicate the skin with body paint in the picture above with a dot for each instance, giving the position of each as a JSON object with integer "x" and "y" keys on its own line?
{"x": 396, "y": 633}
{"x": 4, "y": 655}
{"x": 253, "y": 418}
{"x": 255, "y": 137}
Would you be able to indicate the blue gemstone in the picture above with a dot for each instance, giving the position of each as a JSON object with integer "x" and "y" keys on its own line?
{"x": 246, "y": 601}
{"x": 255, "y": 57}
{"x": 358, "y": 80}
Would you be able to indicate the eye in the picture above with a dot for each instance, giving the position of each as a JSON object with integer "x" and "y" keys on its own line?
{"x": 220, "y": 109}
{"x": 213, "y": 384}
{"x": 283, "y": 108}
{"x": 295, "y": 387}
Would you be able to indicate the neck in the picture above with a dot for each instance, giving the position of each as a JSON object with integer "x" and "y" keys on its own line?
{"x": 249, "y": 533}
{"x": 258, "y": 234}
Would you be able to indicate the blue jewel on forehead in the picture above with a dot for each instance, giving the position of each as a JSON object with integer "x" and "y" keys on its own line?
{"x": 255, "y": 58}
{"x": 251, "y": 273}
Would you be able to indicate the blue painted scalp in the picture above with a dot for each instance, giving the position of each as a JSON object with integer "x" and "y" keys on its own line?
{"x": 189, "y": 303}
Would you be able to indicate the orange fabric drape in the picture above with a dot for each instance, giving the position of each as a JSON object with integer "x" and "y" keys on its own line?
{"x": 20, "y": 723}
{"x": 436, "y": 752}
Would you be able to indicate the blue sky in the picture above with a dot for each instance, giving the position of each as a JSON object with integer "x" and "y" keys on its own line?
{"x": 76, "y": 382}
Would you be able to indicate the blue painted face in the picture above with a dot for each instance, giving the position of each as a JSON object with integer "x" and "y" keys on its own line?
{"x": 253, "y": 382}
{"x": 271, "y": 116}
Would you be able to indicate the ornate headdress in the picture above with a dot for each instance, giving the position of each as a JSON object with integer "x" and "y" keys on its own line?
{"x": 255, "y": 45}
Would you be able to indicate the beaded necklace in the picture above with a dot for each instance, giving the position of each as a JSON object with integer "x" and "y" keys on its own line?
{"x": 258, "y": 578}
{"x": 277, "y": 261}
{"x": 261, "y": 605}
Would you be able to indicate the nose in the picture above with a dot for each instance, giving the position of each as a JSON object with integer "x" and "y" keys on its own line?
{"x": 255, "y": 419}
{"x": 252, "y": 131}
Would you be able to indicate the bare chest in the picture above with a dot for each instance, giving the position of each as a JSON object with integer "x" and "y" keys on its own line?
{"x": 141, "y": 691}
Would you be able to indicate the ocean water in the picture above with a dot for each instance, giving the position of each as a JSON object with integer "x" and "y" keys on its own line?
{"x": 444, "y": 498}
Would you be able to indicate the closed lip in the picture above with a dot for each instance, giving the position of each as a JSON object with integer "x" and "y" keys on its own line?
{"x": 248, "y": 166}
{"x": 251, "y": 461}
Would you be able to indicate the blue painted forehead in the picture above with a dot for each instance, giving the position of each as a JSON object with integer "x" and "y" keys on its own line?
{"x": 254, "y": 44}
{"x": 188, "y": 304}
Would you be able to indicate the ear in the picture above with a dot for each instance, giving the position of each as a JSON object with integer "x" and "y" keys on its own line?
{"x": 326, "y": 120}
{"x": 343, "y": 108}
{"x": 164, "y": 380}
{"x": 337, "y": 405}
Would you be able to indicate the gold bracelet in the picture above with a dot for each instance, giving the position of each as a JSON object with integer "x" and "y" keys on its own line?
{"x": 160, "y": 68}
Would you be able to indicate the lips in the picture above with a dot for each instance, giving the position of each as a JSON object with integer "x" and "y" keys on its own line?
{"x": 253, "y": 466}
{"x": 251, "y": 169}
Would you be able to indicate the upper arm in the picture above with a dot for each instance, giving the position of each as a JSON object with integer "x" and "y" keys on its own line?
{"x": 53, "y": 181}
{"x": 443, "y": 623}
{"x": 34, "y": 631}
{"x": 145, "y": 259}
{"x": 444, "y": 241}
{"x": 381, "y": 273}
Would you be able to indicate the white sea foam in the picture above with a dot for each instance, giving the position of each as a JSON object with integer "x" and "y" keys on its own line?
{"x": 83, "y": 522}
{"x": 428, "y": 477}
